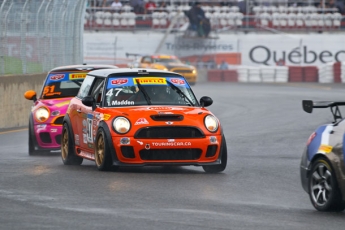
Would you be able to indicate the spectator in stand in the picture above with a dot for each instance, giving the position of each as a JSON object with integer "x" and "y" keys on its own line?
{"x": 197, "y": 18}
{"x": 138, "y": 6}
{"x": 163, "y": 7}
{"x": 116, "y": 5}
{"x": 150, "y": 6}
{"x": 223, "y": 65}
{"x": 332, "y": 4}
{"x": 211, "y": 64}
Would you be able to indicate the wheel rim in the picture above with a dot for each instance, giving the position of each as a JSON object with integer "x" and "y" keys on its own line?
{"x": 99, "y": 154}
{"x": 321, "y": 184}
{"x": 64, "y": 144}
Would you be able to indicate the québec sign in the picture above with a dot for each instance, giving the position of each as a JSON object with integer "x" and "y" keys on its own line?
{"x": 293, "y": 50}
{"x": 299, "y": 55}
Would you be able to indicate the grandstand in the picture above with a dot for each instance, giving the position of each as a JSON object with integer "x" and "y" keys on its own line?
{"x": 270, "y": 16}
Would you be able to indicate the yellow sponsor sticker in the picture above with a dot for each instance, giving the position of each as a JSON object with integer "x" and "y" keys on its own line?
{"x": 62, "y": 104}
{"x": 106, "y": 116}
{"x": 76, "y": 76}
{"x": 325, "y": 148}
{"x": 150, "y": 81}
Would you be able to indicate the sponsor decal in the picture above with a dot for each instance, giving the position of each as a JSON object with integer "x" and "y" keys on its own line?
{"x": 120, "y": 81}
{"x": 150, "y": 81}
{"x": 125, "y": 141}
{"x": 84, "y": 138}
{"x": 41, "y": 126}
{"x": 84, "y": 126}
{"x": 213, "y": 139}
{"x": 140, "y": 142}
{"x": 147, "y": 146}
{"x": 165, "y": 113}
{"x": 62, "y": 104}
{"x": 106, "y": 117}
{"x": 141, "y": 121}
{"x": 76, "y": 76}
{"x": 89, "y": 128}
{"x": 53, "y": 130}
{"x": 177, "y": 81}
{"x": 160, "y": 108}
{"x": 76, "y": 139}
{"x": 123, "y": 102}
{"x": 169, "y": 144}
{"x": 57, "y": 77}
{"x": 169, "y": 122}
{"x": 325, "y": 148}
{"x": 171, "y": 140}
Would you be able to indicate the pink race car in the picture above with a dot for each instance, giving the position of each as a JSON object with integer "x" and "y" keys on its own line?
{"x": 49, "y": 109}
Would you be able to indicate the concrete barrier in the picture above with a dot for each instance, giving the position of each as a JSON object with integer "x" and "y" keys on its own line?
{"x": 15, "y": 108}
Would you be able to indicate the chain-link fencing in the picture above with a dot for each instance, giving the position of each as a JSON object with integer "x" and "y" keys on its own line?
{"x": 38, "y": 35}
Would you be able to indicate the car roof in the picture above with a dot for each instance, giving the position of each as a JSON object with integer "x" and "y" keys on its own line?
{"x": 82, "y": 67}
{"x": 106, "y": 72}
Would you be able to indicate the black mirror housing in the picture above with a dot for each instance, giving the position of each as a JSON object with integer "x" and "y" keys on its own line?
{"x": 88, "y": 101}
{"x": 206, "y": 101}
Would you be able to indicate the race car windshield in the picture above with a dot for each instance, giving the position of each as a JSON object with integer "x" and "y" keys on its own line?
{"x": 60, "y": 85}
{"x": 166, "y": 60}
{"x": 134, "y": 91}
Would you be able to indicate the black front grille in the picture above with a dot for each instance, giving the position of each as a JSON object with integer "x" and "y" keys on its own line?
{"x": 45, "y": 137}
{"x": 58, "y": 139}
{"x": 127, "y": 151}
{"x": 168, "y": 132}
{"x": 170, "y": 154}
{"x": 167, "y": 117}
{"x": 211, "y": 150}
{"x": 182, "y": 71}
{"x": 58, "y": 121}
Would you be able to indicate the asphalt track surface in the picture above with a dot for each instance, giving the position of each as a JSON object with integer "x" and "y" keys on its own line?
{"x": 266, "y": 131}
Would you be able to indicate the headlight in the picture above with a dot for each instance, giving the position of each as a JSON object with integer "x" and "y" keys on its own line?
{"x": 211, "y": 123}
{"x": 194, "y": 71}
{"x": 42, "y": 114}
{"x": 165, "y": 69}
{"x": 121, "y": 125}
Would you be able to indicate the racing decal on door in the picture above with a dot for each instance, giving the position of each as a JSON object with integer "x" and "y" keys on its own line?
{"x": 89, "y": 128}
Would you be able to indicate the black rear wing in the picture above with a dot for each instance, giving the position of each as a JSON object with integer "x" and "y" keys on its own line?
{"x": 309, "y": 105}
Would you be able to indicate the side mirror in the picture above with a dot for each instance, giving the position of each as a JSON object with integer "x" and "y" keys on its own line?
{"x": 205, "y": 101}
{"x": 30, "y": 95}
{"x": 89, "y": 101}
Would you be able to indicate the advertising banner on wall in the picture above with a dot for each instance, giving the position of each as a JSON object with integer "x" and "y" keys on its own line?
{"x": 256, "y": 50}
{"x": 293, "y": 49}
{"x": 106, "y": 47}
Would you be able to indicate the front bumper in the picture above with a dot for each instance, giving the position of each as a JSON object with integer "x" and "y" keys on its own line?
{"x": 142, "y": 152}
{"x": 48, "y": 137}
{"x": 304, "y": 170}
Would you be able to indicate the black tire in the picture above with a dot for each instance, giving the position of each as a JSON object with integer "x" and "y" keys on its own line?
{"x": 32, "y": 142}
{"x": 68, "y": 154}
{"x": 224, "y": 158}
{"x": 323, "y": 188}
{"x": 103, "y": 158}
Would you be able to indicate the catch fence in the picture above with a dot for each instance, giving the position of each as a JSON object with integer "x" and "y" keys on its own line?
{"x": 38, "y": 35}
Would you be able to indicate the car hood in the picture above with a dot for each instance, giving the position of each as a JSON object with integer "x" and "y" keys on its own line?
{"x": 58, "y": 104}
{"x": 175, "y": 65}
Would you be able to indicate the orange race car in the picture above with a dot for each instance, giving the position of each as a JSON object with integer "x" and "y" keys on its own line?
{"x": 167, "y": 62}
{"x": 138, "y": 117}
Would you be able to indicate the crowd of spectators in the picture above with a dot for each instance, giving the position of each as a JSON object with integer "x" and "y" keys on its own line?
{"x": 149, "y": 6}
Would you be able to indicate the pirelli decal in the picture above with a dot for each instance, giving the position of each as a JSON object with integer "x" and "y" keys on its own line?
{"x": 150, "y": 81}
{"x": 76, "y": 76}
